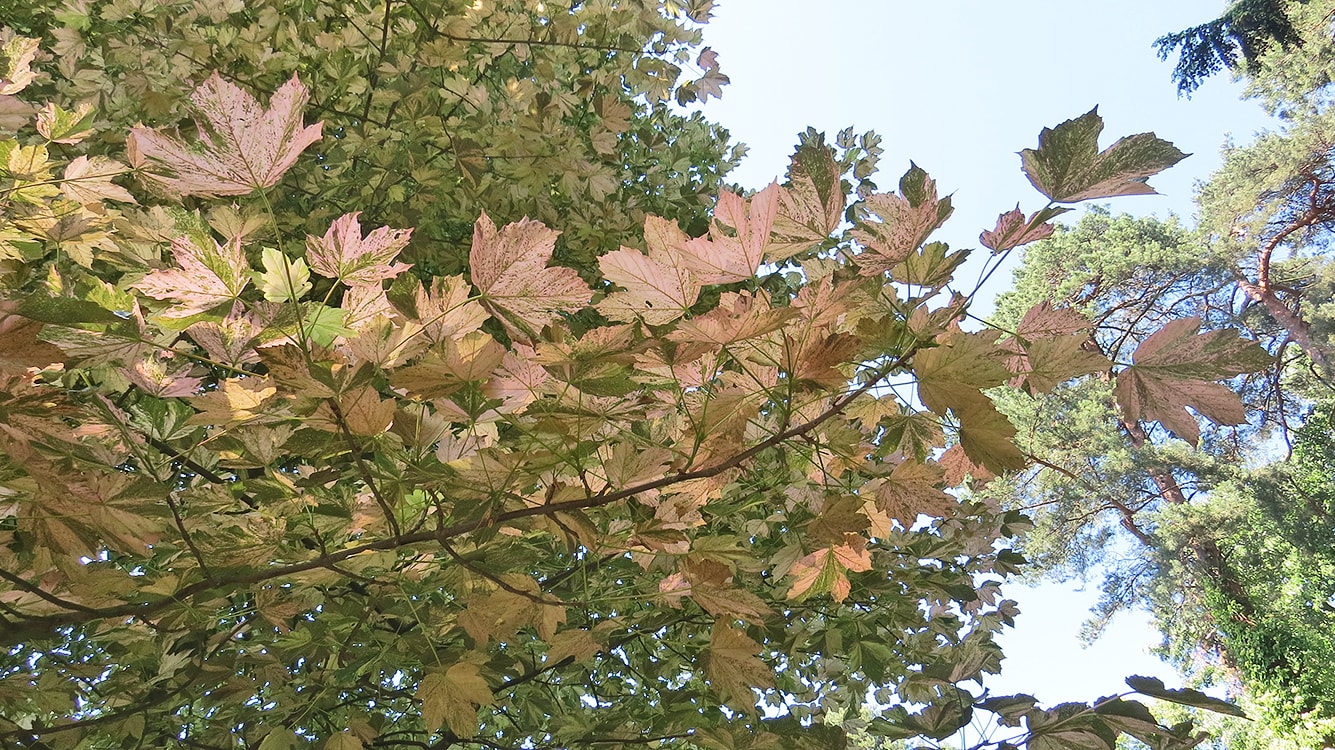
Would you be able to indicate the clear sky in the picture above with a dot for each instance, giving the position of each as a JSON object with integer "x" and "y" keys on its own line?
{"x": 959, "y": 86}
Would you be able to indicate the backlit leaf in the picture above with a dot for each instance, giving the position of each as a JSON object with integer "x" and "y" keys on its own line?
{"x": 344, "y": 254}
{"x": 1013, "y": 230}
{"x": 1068, "y": 166}
{"x": 242, "y": 145}
{"x": 954, "y": 373}
{"x": 509, "y": 267}
{"x": 737, "y": 238}
{"x": 988, "y": 438}
{"x": 811, "y": 207}
{"x": 206, "y": 277}
{"x": 1154, "y": 687}
{"x": 282, "y": 280}
{"x": 1173, "y": 369}
{"x": 734, "y": 667}
{"x": 825, "y": 571}
{"x": 906, "y": 220}
{"x": 914, "y": 489}
{"x": 660, "y": 286}
{"x": 451, "y": 697}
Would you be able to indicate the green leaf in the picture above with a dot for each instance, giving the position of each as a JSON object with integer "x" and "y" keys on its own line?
{"x": 931, "y": 266}
{"x": 1069, "y": 726}
{"x": 280, "y": 739}
{"x": 1068, "y": 166}
{"x": 282, "y": 280}
{"x": 1154, "y": 687}
{"x": 1011, "y": 708}
{"x": 59, "y": 125}
{"x": 323, "y": 324}
{"x": 65, "y": 311}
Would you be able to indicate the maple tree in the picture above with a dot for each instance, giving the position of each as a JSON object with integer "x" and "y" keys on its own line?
{"x": 268, "y": 486}
{"x": 433, "y": 111}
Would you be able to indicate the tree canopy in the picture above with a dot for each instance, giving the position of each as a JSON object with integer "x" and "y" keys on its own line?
{"x": 1247, "y": 29}
{"x": 289, "y": 458}
{"x": 1215, "y": 541}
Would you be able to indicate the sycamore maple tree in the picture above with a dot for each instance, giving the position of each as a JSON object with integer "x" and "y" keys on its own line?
{"x": 268, "y": 488}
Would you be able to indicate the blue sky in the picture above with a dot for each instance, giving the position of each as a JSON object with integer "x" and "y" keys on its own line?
{"x": 959, "y": 87}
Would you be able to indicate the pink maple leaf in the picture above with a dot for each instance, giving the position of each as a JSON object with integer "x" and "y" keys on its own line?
{"x": 242, "y": 145}
{"x": 509, "y": 267}
{"x": 1013, "y": 230}
{"x": 207, "y": 277}
{"x": 734, "y": 254}
{"x": 344, "y": 254}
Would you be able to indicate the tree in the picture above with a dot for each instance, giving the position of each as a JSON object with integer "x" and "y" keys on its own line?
{"x": 433, "y": 111}
{"x": 1198, "y": 537}
{"x": 1249, "y": 28}
{"x": 1274, "y": 525}
{"x": 269, "y": 487}
{"x": 1193, "y": 535}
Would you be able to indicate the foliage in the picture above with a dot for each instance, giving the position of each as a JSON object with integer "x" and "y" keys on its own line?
{"x": 432, "y": 111}
{"x": 1249, "y": 28}
{"x": 1208, "y": 540}
{"x": 1259, "y": 260}
{"x": 1275, "y": 525}
{"x": 1130, "y": 277}
{"x": 266, "y": 487}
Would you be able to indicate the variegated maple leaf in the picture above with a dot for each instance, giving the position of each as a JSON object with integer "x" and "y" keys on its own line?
{"x": 906, "y": 221}
{"x": 1174, "y": 369}
{"x": 660, "y": 286}
{"x": 206, "y": 277}
{"x": 344, "y": 254}
{"x": 1050, "y": 347}
{"x": 88, "y": 181}
{"x": 509, "y": 268}
{"x": 737, "y": 239}
{"x": 826, "y": 570}
{"x": 451, "y": 697}
{"x": 16, "y": 56}
{"x": 1013, "y": 230}
{"x": 242, "y": 146}
{"x": 734, "y": 667}
{"x": 811, "y": 207}
{"x": 1068, "y": 167}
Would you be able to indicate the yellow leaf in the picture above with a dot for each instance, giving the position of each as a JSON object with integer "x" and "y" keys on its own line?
{"x": 452, "y": 697}
{"x": 365, "y": 413}
{"x": 236, "y": 400}
{"x": 734, "y": 667}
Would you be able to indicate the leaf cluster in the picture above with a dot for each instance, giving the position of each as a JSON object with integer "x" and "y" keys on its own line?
{"x": 267, "y": 485}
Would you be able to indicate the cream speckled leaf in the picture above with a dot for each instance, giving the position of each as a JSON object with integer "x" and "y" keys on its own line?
{"x": 344, "y": 254}
{"x": 1068, "y": 167}
{"x": 206, "y": 278}
{"x": 509, "y": 267}
{"x": 242, "y": 147}
{"x": 1173, "y": 369}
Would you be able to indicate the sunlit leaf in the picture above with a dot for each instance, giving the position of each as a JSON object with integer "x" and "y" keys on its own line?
{"x": 1068, "y": 166}
{"x": 242, "y": 147}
